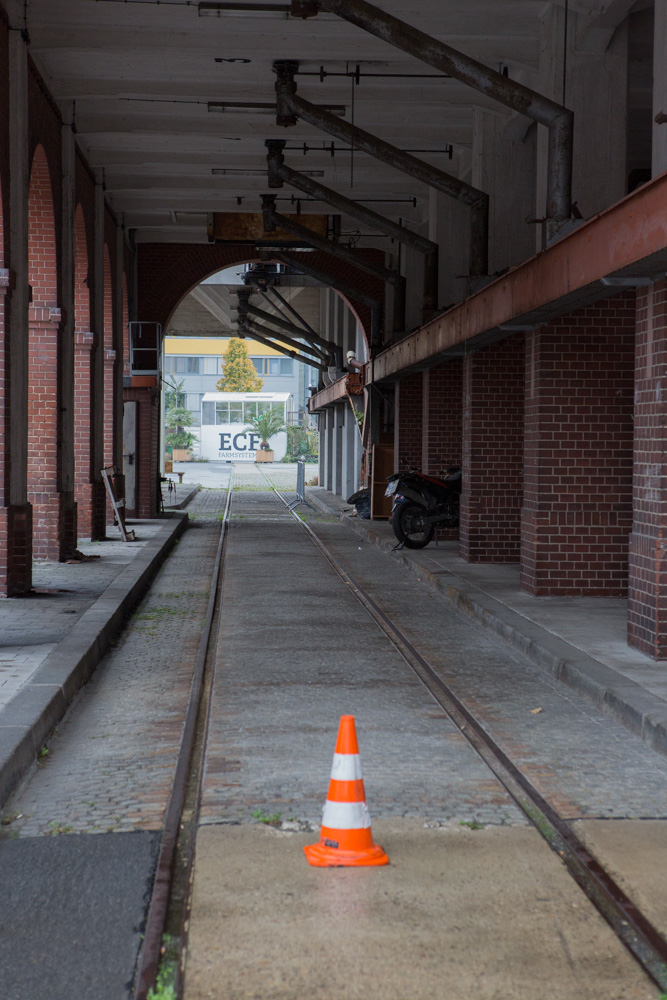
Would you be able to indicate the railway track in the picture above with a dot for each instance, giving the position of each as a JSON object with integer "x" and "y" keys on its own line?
{"x": 169, "y": 906}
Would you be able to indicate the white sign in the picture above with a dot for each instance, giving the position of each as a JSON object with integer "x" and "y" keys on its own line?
{"x": 231, "y": 443}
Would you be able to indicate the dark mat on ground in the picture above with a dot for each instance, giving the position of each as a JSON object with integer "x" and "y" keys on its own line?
{"x": 72, "y": 912}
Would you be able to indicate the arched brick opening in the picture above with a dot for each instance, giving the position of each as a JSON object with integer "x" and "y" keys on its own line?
{"x": 83, "y": 345}
{"x": 43, "y": 362}
{"x": 166, "y": 272}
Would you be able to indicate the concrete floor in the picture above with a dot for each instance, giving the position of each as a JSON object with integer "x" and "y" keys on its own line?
{"x": 457, "y": 914}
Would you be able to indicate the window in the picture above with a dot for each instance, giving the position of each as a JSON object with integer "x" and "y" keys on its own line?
{"x": 236, "y": 413}
{"x": 280, "y": 366}
{"x": 168, "y": 364}
{"x": 208, "y": 413}
{"x": 210, "y": 366}
{"x": 273, "y": 366}
{"x": 222, "y": 413}
{"x": 193, "y": 366}
{"x": 179, "y": 364}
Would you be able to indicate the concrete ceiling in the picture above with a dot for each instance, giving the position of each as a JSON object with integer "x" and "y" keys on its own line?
{"x": 138, "y": 75}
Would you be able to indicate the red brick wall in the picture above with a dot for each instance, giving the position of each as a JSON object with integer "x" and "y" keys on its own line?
{"x": 442, "y": 401}
{"x": 647, "y": 618}
{"x": 577, "y": 505}
{"x": 83, "y": 341}
{"x": 168, "y": 271}
{"x": 43, "y": 364}
{"x": 408, "y": 423}
{"x": 492, "y": 452}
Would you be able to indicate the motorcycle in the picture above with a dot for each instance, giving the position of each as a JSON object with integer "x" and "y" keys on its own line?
{"x": 423, "y": 503}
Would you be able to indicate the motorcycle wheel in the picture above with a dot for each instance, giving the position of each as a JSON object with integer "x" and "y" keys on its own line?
{"x": 408, "y": 524}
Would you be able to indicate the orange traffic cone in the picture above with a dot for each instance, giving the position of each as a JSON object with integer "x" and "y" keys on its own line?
{"x": 345, "y": 838}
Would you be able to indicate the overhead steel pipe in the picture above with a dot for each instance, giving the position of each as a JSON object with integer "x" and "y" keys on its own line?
{"x": 288, "y": 327}
{"x": 291, "y": 107}
{"x": 514, "y": 95}
{"x": 273, "y": 220}
{"x": 280, "y": 173}
{"x": 352, "y": 292}
{"x": 257, "y": 333}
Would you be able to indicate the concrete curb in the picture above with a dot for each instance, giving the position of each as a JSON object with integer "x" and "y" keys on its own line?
{"x": 622, "y": 699}
{"x": 183, "y": 503}
{"x": 29, "y": 718}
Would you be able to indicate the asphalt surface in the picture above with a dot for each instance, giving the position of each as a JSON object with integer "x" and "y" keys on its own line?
{"x": 74, "y": 910}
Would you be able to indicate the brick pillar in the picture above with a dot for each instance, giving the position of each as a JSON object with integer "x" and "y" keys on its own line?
{"x": 408, "y": 422}
{"x": 148, "y": 438}
{"x": 442, "y": 408}
{"x": 42, "y": 432}
{"x": 83, "y": 343}
{"x": 492, "y": 452}
{"x": 578, "y": 465}
{"x": 109, "y": 366}
{"x": 647, "y": 618}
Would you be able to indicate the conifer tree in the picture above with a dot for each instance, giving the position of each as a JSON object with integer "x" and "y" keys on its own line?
{"x": 239, "y": 373}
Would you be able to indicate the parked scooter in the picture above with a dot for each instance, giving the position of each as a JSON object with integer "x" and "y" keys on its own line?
{"x": 423, "y": 503}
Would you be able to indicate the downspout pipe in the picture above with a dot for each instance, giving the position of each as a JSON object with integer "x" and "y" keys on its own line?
{"x": 280, "y": 173}
{"x": 558, "y": 120}
{"x": 273, "y": 220}
{"x": 290, "y": 107}
{"x": 348, "y": 291}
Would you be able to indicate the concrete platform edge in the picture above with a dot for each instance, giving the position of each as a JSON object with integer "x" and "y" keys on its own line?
{"x": 617, "y": 696}
{"x": 29, "y": 718}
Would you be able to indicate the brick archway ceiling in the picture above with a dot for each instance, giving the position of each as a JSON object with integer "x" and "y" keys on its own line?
{"x": 142, "y": 74}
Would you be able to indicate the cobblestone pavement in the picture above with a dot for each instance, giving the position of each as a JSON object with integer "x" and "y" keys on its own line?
{"x": 110, "y": 764}
{"x": 583, "y": 762}
{"x": 296, "y": 651}
{"x": 31, "y": 626}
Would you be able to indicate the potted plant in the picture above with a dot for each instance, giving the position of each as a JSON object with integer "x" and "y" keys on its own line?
{"x": 266, "y": 425}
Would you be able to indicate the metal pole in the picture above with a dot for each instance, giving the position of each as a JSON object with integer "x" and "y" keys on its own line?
{"x": 290, "y": 308}
{"x": 290, "y": 107}
{"x": 559, "y": 120}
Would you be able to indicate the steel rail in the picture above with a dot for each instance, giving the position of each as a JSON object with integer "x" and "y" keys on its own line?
{"x": 632, "y": 927}
{"x": 151, "y": 953}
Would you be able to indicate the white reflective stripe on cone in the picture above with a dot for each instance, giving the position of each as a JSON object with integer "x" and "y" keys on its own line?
{"x": 346, "y": 767}
{"x": 345, "y": 815}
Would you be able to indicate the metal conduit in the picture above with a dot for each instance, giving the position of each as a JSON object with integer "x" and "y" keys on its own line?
{"x": 558, "y": 120}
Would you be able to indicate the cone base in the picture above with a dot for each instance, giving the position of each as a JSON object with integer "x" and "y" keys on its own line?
{"x": 321, "y": 856}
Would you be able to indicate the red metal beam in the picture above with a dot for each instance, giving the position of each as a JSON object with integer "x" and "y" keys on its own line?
{"x": 624, "y": 235}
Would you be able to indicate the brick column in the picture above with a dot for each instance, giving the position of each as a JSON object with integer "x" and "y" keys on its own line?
{"x": 492, "y": 453}
{"x": 16, "y": 512}
{"x": 578, "y": 465}
{"x": 42, "y": 432}
{"x": 408, "y": 422}
{"x": 442, "y": 409}
{"x": 83, "y": 344}
{"x": 148, "y": 437}
{"x": 647, "y": 617}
